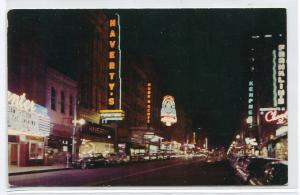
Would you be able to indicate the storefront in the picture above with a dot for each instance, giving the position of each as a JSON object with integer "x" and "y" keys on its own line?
{"x": 152, "y": 142}
{"x": 28, "y": 126}
{"x": 59, "y": 144}
{"x": 277, "y": 147}
{"x": 95, "y": 138}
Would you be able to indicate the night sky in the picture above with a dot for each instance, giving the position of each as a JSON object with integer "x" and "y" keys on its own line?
{"x": 198, "y": 53}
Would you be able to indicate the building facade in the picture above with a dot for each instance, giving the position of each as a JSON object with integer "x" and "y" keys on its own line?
{"x": 265, "y": 132}
{"x": 61, "y": 94}
{"x": 28, "y": 119}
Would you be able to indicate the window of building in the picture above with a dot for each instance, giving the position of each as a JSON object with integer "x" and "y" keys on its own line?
{"x": 71, "y": 105}
{"x": 62, "y": 107}
{"x": 36, "y": 150}
{"x": 53, "y": 98}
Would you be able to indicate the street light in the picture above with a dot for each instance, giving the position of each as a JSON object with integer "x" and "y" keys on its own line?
{"x": 238, "y": 136}
{"x": 81, "y": 121}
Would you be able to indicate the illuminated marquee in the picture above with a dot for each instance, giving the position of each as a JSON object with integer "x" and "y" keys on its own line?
{"x": 112, "y": 115}
{"x": 168, "y": 111}
{"x": 25, "y": 116}
{"x": 148, "y": 110}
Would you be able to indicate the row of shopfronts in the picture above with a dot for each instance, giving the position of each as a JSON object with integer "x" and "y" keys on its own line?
{"x": 34, "y": 141}
{"x": 272, "y": 143}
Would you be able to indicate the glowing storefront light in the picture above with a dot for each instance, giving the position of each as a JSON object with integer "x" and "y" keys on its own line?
{"x": 168, "y": 111}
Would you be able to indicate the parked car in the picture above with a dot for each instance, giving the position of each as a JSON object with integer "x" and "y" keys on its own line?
{"x": 160, "y": 156}
{"x": 139, "y": 157}
{"x": 251, "y": 170}
{"x": 112, "y": 158}
{"x": 92, "y": 161}
{"x": 122, "y": 158}
{"x": 276, "y": 173}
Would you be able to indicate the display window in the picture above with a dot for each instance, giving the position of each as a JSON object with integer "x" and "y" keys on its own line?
{"x": 36, "y": 150}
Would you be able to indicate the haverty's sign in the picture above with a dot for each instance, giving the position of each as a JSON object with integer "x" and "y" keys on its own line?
{"x": 113, "y": 110}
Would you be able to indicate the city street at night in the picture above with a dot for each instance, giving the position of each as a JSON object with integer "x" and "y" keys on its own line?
{"x": 177, "y": 172}
{"x": 147, "y": 97}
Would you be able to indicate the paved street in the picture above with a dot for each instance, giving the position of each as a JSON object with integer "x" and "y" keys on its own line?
{"x": 159, "y": 173}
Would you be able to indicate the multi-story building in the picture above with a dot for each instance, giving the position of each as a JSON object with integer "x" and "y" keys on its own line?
{"x": 140, "y": 131}
{"x": 61, "y": 93}
{"x": 267, "y": 95}
{"x": 28, "y": 121}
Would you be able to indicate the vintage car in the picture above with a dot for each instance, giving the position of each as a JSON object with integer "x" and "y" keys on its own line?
{"x": 91, "y": 161}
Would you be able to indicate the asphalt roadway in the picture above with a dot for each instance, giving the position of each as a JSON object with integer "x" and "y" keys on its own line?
{"x": 174, "y": 172}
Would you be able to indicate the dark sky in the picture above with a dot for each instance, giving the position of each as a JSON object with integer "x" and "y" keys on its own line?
{"x": 198, "y": 53}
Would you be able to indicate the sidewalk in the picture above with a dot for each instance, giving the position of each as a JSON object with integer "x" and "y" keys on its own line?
{"x": 15, "y": 170}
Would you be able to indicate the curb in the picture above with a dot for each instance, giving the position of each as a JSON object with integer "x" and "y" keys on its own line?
{"x": 38, "y": 171}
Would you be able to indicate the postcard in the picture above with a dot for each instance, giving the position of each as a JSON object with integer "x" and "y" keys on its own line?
{"x": 147, "y": 97}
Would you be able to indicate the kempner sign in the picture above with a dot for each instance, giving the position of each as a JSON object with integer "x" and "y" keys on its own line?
{"x": 168, "y": 111}
{"x": 26, "y": 116}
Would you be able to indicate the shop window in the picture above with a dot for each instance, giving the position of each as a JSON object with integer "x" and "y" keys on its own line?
{"x": 62, "y": 106}
{"x": 71, "y": 105}
{"x": 53, "y": 98}
{"x": 36, "y": 150}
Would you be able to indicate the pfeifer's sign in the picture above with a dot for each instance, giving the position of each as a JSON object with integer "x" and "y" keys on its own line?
{"x": 168, "y": 111}
{"x": 23, "y": 116}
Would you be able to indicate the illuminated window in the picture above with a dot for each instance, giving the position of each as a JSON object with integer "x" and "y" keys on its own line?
{"x": 62, "y": 102}
{"x": 36, "y": 150}
{"x": 53, "y": 98}
{"x": 71, "y": 105}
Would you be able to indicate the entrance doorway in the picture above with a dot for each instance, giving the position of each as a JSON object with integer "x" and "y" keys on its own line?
{"x": 13, "y": 153}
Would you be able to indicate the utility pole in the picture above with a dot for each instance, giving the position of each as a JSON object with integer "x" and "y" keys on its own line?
{"x": 74, "y": 130}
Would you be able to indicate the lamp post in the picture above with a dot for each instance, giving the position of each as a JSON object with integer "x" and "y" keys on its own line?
{"x": 75, "y": 122}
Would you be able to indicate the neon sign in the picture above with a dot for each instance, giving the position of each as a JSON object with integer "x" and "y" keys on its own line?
{"x": 281, "y": 77}
{"x": 114, "y": 110}
{"x": 114, "y": 63}
{"x": 148, "y": 111}
{"x": 168, "y": 111}
{"x": 20, "y": 102}
{"x": 250, "y": 102}
{"x": 273, "y": 116}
